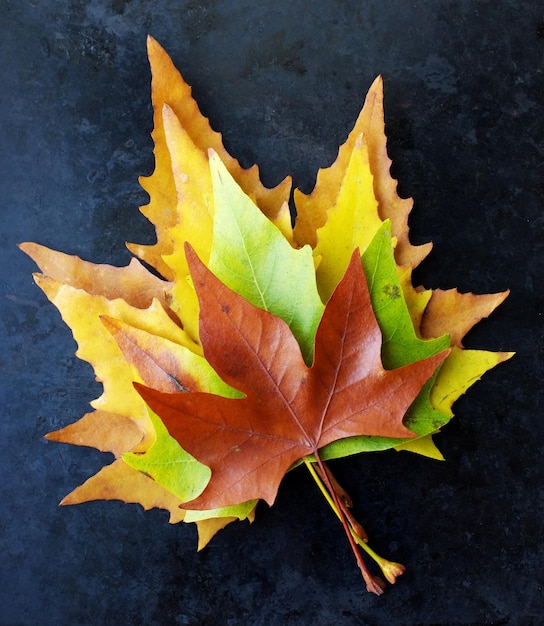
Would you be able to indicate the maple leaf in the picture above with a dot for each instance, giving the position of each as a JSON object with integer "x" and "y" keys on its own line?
{"x": 290, "y": 410}
{"x": 351, "y": 221}
{"x": 136, "y": 285}
{"x": 469, "y": 310}
{"x": 369, "y": 129}
{"x": 251, "y": 256}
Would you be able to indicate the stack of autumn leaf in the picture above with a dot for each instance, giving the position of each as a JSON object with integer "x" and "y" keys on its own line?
{"x": 264, "y": 345}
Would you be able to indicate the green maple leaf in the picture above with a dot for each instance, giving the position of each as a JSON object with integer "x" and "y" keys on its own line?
{"x": 169, "y": 465}
{"x": 401, "y": 345}
{"x": 252, "y": 257}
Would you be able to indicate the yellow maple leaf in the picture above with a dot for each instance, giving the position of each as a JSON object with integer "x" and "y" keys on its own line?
{"x": 351, "y": 222}
{"x": 169, "y": 88}
{"x": 461, "y": 370}
{"x": 194, "y": 223}
{"x": 312, "y": 208}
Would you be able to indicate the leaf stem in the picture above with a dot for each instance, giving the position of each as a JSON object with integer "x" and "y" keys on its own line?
{"x": 345, "y": 502}
{"x": 338, "y": 503}
{"x": 374, "y": 584}
{"x": 320, "y": 484}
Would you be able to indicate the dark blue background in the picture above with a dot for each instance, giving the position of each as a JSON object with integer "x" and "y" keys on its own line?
{"x": 283, "y": 81}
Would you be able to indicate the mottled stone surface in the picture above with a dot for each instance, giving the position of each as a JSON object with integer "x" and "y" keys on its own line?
{"x": 283, "y": 81}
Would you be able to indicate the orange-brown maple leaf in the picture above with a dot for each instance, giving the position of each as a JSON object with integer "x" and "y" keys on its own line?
{"x": 289, "y": 410}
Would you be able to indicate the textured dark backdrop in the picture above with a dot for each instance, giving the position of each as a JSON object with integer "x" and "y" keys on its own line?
{"x": 284, "y": 81}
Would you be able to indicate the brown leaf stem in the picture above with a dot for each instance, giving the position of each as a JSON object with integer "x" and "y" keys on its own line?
{"x": 342, "y": 493}
{"x": 345, "y": 501}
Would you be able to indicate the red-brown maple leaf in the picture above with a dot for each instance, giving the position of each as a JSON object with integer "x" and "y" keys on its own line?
{"x": 289, "y": 410}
